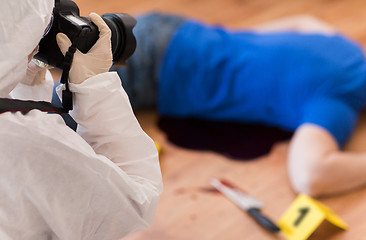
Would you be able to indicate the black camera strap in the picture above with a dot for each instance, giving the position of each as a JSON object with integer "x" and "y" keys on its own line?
{"x": 67, "y": 101}
{"x": 24, "y": 106}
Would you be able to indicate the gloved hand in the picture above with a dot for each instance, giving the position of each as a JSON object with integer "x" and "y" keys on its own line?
{"x": 36, "y": 74}
{"x": 98, "y": 60}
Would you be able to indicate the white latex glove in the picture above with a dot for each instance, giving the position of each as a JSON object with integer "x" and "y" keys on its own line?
{"x": 35, "y": 74}
{"x": 36, "y": 70}
{"x": 97, "y": 60}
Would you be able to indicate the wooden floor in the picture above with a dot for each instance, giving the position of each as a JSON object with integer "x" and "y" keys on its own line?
{"x": 187, "y": 211}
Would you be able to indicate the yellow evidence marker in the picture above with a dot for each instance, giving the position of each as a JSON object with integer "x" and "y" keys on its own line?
{"x": 304, "y": 216}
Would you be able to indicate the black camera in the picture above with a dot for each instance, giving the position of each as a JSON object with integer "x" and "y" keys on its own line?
{"x": 66, "y": 19}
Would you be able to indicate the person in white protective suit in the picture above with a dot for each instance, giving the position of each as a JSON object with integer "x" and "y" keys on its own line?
{"x": 102, "y": 182}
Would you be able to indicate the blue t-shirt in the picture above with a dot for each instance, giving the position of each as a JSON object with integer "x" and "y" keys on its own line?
{"x": 278, "y": 79}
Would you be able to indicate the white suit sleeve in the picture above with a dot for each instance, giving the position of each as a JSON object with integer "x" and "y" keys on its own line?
{"x": 39, "y": 92}
{"x": 106, "y": 121}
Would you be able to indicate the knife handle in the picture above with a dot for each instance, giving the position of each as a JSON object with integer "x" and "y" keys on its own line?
{"x": 262, "y": 220}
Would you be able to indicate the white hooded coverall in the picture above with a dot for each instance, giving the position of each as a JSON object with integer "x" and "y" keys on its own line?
{"x": 100, "y": 183}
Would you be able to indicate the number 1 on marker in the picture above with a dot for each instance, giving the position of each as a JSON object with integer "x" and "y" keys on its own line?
{"x": 303, "y": 212}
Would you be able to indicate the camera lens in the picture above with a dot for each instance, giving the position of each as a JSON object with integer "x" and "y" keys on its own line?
{"x": 123, "y": 40}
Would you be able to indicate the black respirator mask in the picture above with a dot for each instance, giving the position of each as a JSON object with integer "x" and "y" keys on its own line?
{"x": 83, "y": 34}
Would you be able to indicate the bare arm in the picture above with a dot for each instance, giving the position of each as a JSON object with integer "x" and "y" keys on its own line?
{"x": 318, "y": 167}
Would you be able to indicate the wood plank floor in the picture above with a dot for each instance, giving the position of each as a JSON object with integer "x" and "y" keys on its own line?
{"x": 186, "y": 210}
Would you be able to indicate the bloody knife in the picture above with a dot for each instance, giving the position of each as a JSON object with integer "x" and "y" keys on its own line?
{"x": 246, "y": 202}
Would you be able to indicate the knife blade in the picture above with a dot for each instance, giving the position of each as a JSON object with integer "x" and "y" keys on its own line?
{"x": 245, "y": 202}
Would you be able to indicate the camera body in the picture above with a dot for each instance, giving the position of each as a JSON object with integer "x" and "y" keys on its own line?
{"x": 66, "y": 19}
